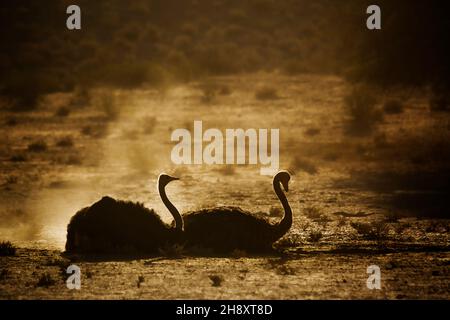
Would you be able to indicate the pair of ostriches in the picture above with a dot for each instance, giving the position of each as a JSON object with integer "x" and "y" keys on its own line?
{"x": 114, "y": 226}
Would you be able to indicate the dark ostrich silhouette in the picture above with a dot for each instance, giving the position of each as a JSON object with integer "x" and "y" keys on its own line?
{"x": 224, "y": 229}
{"x": 114, "y": 226}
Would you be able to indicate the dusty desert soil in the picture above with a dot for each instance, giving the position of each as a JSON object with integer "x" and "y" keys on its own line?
{"x": 316, "y": 275}
{"x": 119, "y": 142}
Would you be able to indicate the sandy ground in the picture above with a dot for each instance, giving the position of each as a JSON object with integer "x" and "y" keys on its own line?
{"x": 118, "y": 146}
{"x": 315, "y": 275}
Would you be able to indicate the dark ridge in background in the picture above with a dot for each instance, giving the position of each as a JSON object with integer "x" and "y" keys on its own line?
{"x": 127, "y": 44}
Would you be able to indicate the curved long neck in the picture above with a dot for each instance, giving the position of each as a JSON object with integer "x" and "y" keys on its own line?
{"x": 176, "y": 215}
{"x": 285, "y": 224}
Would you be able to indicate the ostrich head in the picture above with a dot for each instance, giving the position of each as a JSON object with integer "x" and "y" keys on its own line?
{"x": 164, "y": 179}
{"x": 283, "y": 177}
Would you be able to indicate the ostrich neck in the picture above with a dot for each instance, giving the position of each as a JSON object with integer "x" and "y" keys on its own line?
{"x": 283, "y": 226}
{"x": 176, "y": 215}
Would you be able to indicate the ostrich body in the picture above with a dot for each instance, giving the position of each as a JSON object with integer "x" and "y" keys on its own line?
{"x": 116, "y": 226}
{"x": 224, "y": 229}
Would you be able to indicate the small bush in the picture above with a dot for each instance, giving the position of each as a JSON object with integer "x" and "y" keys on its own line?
{"x": 266, "y": 93}
{"x": 372, "y": 231}
{"x": 342, "y": 222}
{"x": 108, "y": 104}
{"x": 237, "y": 253}
{"x": 81, "y": 98}
{"x": 172, "y": 251}
{"x": 315, "y": 236}
{"x": 4, "y": 274}
{"x": 314, "y": 213}
{"x": 11, "y": 122}
{"x": 72, "y": 160}
{"x": 392, "y": 217}
{"x": 23, "y": 95}
{"x": 437, "y": 227}
{"x": 149, "y": 124}
{"x": 62, "y": 112}
{"x": 440, "y": 101}
{"x": 290, "y": 241}
{"x": 224, "y": 90}
{"x": 364, "y": 116}
{"x": 66, "y": 142}
{"x": 216, "y": 280}
{"x": 209, "y": 93}
{"x": 311, "y": 132}
{"x": 18, "y": 158}
{"x": 38, "y": 146}
{"x": 45, "y": 280}
{"x": 7, "y": 249}
{"x": 393, "y": 107}
{"x": 98, "y": 131}
{"x": 139, "y": 281}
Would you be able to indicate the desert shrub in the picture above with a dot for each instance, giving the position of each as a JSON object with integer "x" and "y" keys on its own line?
{"x": 440, "y": 101}
{"x": 237, "y": 253}
{"x": 62, "y": 112}
{"x": 290, "y": 241}
{"x": 216, "y": 280}
{"x": 364, "y": 116}
{"x": 7, "y": 249}
{"x": 11, "y": 180}
{"x": 149, "y": 124}
{"x": 224, "y": 90}
{"x": 380, "y": 140}
{"x": 11, "y": 122}
{"x": 172, "y": 251}
{"x": 65, "y": 142}
{"x": 280, "y": 266}
{"x": 38, "y": 146}
{"x": 315, "y": 236}
{"x": 331, "y": 156}
{"x": 311, "y": 132}
{"x": 45, "y": 280}
{"x": 313, "y": 213}
{"x": 23, "y": 93}
{"x": 57, "y": 262}
{"x": 266, "y": 93}
{"x": 392, "y": 216}
{"x": 378, "y": 230}
{"x": 393, "y": 107}
{"x": 98, "y": 131}
{"x": 437, "y": 227}
{"x": 208, "y": 95}
{"x": 71, "y": 160}
{"x": 139, "y": 281}
{"x": 342, "y": 222}
{"x": 131, "y": 75}
{"x": 109, "y": 105}
{"x": 18, "y": 158}
{"x": 4, "y": 274}
{"x": 80, "y": 98}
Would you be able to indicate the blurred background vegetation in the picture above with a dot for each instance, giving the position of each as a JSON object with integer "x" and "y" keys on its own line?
{"x": 156, "y": 42}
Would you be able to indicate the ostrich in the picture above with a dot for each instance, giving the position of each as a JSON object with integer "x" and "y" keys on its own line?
{"x": 116, "y": 226}
{"x": 224, "y": 229}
